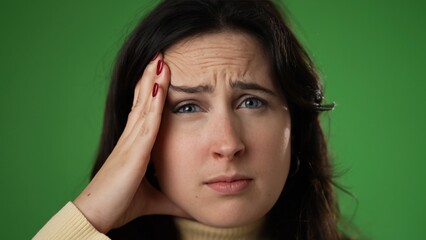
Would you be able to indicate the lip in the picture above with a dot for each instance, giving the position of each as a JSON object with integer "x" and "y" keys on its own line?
{"x": 229, "y": 185}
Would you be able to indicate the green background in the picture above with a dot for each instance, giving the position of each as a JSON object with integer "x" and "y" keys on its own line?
{"x": 55, "y": 62}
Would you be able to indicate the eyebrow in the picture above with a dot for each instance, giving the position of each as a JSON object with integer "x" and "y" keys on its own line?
{"x": 250, "y": 86}
{"x": 195, "y": 89}
{"x": 210, "y": 88}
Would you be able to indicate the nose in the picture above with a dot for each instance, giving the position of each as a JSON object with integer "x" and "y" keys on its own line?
{"x": 226, "y": 138}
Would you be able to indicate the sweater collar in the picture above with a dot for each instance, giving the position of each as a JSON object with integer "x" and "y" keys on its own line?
{"x": 191, "y": 230}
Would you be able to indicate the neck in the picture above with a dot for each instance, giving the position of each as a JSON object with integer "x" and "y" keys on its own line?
{"x": 190, "y": 230}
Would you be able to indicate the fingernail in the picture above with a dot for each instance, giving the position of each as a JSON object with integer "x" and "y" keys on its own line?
{"x": 155, "y": 56}
{"x": 159, "y": 66}
{"x": 155, "y": 90}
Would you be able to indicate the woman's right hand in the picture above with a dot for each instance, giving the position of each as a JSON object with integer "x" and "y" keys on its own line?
{"x": 119, "y": 192}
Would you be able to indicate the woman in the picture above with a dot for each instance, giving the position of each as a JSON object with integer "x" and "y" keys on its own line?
{"x": 221, "y": 138}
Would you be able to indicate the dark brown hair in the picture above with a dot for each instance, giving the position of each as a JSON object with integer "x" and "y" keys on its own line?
{"x": 307, "y": 208}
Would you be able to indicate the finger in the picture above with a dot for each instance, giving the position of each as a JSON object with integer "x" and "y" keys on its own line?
{"x": 141, "y": 99}
{"x": 163, "y": 82}
{"x": 153, "y": 62}
{"x": 147, "y": 126}
{"x": 150, "y": 75}
{"x": 136, "y": 93}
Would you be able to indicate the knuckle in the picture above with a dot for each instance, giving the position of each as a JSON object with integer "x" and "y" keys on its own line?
{"x": 143, "y": 131}
{"x": 137, "y": 113}
{"x": 151, "y": 69}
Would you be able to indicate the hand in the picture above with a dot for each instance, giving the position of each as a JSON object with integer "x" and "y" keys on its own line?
{"x": 119, "y": 192}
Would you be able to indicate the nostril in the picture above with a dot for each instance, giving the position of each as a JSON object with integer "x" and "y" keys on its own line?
{"x": 229, "y": 151}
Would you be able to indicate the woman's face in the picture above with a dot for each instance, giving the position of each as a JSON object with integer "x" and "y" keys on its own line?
{"x": 223, "y": 150}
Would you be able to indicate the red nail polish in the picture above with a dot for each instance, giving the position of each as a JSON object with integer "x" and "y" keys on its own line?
{"x": 159, "y": 66}
{"x": 155, "y": 56}
{"x": 155, "y": 90}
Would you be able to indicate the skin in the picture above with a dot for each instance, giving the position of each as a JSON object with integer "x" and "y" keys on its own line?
{"x": 119, "y": 192}
{"x": 220, "y": 128}
{"x": 233, "y": 130}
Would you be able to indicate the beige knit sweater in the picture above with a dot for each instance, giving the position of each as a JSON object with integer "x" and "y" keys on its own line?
{"x": 69, "y": 224}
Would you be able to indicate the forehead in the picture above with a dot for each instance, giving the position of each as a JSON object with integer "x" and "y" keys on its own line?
{"x": 221, "y": 44}
{"x": 227, "y": 55}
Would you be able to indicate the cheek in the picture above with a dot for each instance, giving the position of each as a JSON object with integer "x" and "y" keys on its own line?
{"x": 173, "y": 158}
{"x": 269, "y": 142}
{"x": 269, "y": 136}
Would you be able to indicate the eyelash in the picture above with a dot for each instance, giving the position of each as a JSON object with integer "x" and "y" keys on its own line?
{"x": 180, "y": 108}
{"x": 258, "y": 100}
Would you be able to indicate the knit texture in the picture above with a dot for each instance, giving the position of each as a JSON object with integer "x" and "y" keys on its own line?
{"x": 191, "y": 230}
{"x": 69, "y": 224}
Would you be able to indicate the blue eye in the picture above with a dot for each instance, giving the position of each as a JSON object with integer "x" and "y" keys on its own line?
{"x": 252, "y": 103}
{"x": 187, "y": 108}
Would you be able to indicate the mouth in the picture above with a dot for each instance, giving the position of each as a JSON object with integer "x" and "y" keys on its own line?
{"x": 229, "y": 185}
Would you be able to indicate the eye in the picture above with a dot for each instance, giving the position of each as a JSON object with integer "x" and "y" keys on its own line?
{"x": 252, "y": 102}
{"x": 187, "y": 108}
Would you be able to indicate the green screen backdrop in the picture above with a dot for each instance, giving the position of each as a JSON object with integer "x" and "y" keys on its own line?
{"x": 55, "y": 63}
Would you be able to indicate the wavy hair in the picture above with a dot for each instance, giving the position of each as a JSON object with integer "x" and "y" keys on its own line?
{"x": 306, "y": 208}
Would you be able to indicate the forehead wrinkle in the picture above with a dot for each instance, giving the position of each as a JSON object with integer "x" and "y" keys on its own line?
{"x": 241, "y": 65}
{"x": 177, "y": 62}
{"x": 173, "y": 64}
{"x": 215, "y": 65}
{"x": 198, "y": 43}
{"x": 220, "y": 50}
{"x": 210, "y": 71}
{"x": 210, "y": 56}
{"x": 201, "y": 60}
{"x": 202, "y": 46}
{"x": 208, "y": 88}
